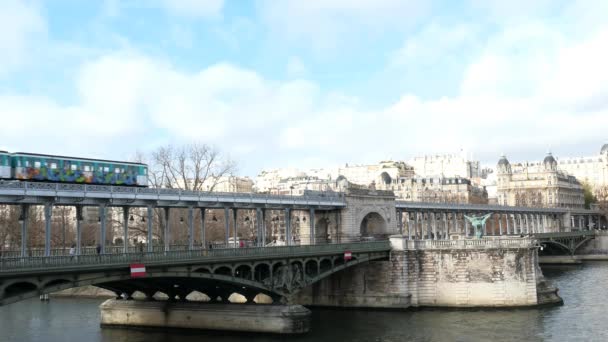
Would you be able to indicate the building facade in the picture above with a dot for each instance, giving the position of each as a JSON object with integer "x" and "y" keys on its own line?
{"x": 537, "y": 185}
{"x": 592, "y": 170}
{"x": 396, "y": 176}
{"x": 446, "y": 165}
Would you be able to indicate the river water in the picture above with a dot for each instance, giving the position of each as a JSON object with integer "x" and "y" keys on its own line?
{"x": 583, "y": 317}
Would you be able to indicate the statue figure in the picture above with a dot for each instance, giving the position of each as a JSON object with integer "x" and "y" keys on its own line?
{"x": 479, "y": 223}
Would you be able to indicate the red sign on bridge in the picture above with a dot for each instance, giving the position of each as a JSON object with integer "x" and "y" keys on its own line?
{"x": 138, "y": 270}
{"x": 348, "y": 255}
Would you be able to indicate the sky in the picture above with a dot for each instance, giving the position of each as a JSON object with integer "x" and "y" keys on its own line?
{"x": 307, "y": 83}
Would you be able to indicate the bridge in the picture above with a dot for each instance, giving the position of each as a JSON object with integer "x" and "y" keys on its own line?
{"x": 358, "y": 221}
{"x": 322, "y": 217}
{"x": 278, "y": 272}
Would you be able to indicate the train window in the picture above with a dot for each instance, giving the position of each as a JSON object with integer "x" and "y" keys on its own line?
{"x": 53, "y": 166}
{"x": 37, "y": 164}
{"x": 73, "y": 167}
{"x": 106, "y": 169}
{"x": 87, "y": 168}
{"x": 116, "y": 170}
{"x": 18, "y": 162}
{"x": 27, "y": 163}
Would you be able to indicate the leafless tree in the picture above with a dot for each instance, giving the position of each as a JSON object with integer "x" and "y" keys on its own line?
{"x": 189, "y": 167}
{"x": 195, "y": 167}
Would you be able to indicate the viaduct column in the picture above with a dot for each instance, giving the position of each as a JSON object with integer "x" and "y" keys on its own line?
{"x": 236, "y": 230}
{"x": 400, "y": 221}
{"x": 455, "y": 219}
{"x": 416, "y": 224}
{"x": 48, "y": 211}
{"x": 434, "y": 225}
{"x": 288, "y": 226}
{"x": 125, "y": 229}
{"x": 500, "y": 224}
{"x": 190, "y": 228}
{"x": 409, "y": 226}
{"x": 102, "y": 228}
{"x": 167, "y": 236}
{"x": 226, "y": 225}
{"x": 23, "y": 218}
{"x": 446, "y": 227}
{"x": 150, "y": 238}
{"x": 78, "y": 229}
{"x": 313, "y": 233}
{"x": 203, "y": 232}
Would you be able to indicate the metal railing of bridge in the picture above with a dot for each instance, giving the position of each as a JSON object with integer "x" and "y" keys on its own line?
{"x": 74, "y": 263}
{"x": 23, "y": 188}
{"x": 471, "y": 243}
{"x": 487, "y": 208}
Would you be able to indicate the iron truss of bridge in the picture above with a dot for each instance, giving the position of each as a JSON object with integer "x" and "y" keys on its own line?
{"x": 278, "y": 272}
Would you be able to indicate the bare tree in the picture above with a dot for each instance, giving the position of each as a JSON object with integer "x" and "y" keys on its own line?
{"x": 189, "y": 167}
{"x": 195, "y": 167}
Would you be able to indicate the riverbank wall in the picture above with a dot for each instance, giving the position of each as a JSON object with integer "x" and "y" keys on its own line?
{"x": 459, "y": 273}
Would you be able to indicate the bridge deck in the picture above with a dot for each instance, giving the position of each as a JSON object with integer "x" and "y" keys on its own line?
{"x": 60, "y": 193}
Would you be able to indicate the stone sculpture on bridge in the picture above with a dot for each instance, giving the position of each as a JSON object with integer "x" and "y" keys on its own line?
{"x": 478, "y": 223}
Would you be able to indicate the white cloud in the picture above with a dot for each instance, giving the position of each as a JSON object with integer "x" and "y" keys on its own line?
{"x": 22, "y": 26}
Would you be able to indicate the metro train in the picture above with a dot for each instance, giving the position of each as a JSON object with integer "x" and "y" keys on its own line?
{"x": 48, "y": 168}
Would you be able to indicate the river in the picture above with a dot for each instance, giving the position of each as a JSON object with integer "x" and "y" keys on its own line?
{"x": 583, "y": 317}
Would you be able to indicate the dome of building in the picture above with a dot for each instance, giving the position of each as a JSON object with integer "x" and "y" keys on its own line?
{"x": 549, "y": 159}
{"x": 604, "y": 149}
{"x": 503, "y": 160}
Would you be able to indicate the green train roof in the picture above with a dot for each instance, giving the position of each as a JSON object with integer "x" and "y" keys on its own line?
{"x": 75, "y": 158}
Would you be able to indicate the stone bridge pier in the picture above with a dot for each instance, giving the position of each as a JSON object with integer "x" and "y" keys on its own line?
{"x": 492, "y": 272}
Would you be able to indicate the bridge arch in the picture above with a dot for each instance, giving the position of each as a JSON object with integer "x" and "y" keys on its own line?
{"x": 373, "y": 224}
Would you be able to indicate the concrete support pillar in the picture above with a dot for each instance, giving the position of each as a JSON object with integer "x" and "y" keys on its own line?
{"x": 125, "y": 229}
{"x": 489, "y": 226}
{"x": 23, "y": 218}
{"x": 466, "y": 226}
{"x": 150, "y": 212}
{"x": 500, "y": 224}
{"x": 167, "y": 236}
{"x": 288, "y": 226}
{"x": 409, "y": 225}
{"x": 507, "y": 219}
{"x": 455, "y": 219}
{"x": 263, "y": 222}
{"x": 226, "y": 225}
{"x": 313, "y": 233}
{"x": 338, "y": 227}
{"x": 433, "y": 221}
{"x": 79, "y": 219}
{"x": 416, "y": 225}
{"x": 190, "y": 228}
{"x": 258, "y": 227}
{"x": 102, "y": 228}
{"x": 527, "y": 224}
{"x": 446, "y": 227}
{"x": 48, "y": 211}
{"x": 235, "y": 212}
{"x": 203, "y": 230}
{"x": 400, "y": 221}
